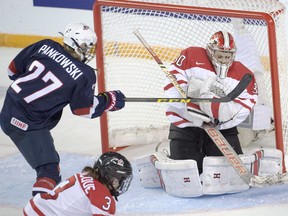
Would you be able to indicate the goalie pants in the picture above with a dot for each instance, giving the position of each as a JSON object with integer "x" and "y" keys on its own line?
{"x": 194, "y": 143}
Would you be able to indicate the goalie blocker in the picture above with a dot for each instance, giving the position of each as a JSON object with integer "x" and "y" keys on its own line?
{"x": 181, "y": 178}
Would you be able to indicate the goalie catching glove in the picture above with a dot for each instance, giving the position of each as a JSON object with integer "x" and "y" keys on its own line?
{"x": 194, "y": 113}
{"x": 214, "y": 87}
{"x": 222, "y": 113}
{"x": 114, "y": 100}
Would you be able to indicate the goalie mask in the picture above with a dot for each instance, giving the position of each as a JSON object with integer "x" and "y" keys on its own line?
{"x": 221, "y": 51}
{"x": 115, "y": 171}
{"x": 82, "y": 39}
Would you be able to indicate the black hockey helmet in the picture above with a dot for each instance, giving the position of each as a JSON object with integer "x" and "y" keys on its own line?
{"x": 115, "y": 171}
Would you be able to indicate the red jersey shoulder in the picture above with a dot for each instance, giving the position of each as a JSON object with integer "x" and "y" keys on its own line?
{"x": 193, "y": 57}
{"x": 97, "y": 193}
{"x": 237, "y": 70}
{"x": 102, "y": 198}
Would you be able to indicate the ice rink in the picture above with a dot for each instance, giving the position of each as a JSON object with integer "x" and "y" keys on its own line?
{"x": 78, "y": 143}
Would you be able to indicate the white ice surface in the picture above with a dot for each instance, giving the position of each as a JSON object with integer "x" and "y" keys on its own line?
{"x": 78, "y": 143}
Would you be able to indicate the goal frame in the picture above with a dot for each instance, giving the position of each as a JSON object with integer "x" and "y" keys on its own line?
{"x": 272, "y": 44}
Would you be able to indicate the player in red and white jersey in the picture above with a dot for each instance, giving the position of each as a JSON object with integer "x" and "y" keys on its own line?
{"x": 207, "y": 73}
{"x": 91, "y": 192}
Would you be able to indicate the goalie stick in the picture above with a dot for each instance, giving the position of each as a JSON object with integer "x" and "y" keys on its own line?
{"x": 239, "y": 166}
{"x": 244, "y": 82}
{"x": 218, "y": 138}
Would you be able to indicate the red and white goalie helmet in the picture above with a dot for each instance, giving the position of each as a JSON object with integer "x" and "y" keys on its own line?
{"x": 82, "y": 39}
{"x": 221, "y": 51}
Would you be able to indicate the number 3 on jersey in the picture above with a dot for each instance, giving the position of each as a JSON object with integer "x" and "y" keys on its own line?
{"x": 38, "y": 70}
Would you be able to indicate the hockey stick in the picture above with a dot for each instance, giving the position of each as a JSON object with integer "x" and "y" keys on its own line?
{"x": 239, "y": 166}
{"x": 244, "y": 82}
{"x": 229, "y": 153}
{"x": 159, "y": 62}
{"x": 219, "y": 139}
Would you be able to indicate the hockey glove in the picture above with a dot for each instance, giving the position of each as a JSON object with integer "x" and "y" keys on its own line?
{"x": 214, "y": 87}
{"x": 194, "y": 87}
{"x": 194, "y": 114}
{"x": 221, "y": 113}
{"x": 114, "y": 100}
{"x": 220, "y": 88}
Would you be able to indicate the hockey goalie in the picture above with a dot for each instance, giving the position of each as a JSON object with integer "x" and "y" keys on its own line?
{"x": 194, "y": 165}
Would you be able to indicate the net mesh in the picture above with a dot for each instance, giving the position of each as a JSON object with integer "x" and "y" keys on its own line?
{"x": 129, "y": 67}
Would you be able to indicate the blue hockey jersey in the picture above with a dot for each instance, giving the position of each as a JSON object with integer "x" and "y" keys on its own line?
{"x": 46, "y": 79}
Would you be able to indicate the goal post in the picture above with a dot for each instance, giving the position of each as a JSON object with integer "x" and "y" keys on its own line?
{"x": 170, "y": 26}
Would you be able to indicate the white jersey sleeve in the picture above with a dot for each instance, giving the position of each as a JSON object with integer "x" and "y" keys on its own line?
{"x": 177, "y": 112}
{"x": 230, "y": 114}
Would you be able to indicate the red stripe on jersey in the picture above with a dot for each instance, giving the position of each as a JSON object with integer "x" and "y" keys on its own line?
{"x": 12, "y": 67}
{"x": 215, "y": 110}
{"x": 195, "y": 106}
{"x": 170, "y": 85}
{"x": 81, "y": 111}
{"x": 176, "y": 123}
{"x": 24, "y": 213}
{"x": 174, "y": 72}
{"x": 173, "y": 114}
{"x": 35, "y": 208}
{"x": 180, "y": 122}
{"x": 244, "y": 105}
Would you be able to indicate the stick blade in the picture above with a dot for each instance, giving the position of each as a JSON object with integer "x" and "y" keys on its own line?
{"x": 242, "y": 85}
{"x": 263, "y": 181}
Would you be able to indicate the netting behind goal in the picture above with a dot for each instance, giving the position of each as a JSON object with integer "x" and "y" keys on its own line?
{"x": 170, "y": 26}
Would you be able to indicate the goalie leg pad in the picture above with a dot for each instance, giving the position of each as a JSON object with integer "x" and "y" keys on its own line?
{"x": 269, "y": 161}
{"x": 147, "y": 173}
{"x": 178, "y": 177}
{"x": 219, "y": 177}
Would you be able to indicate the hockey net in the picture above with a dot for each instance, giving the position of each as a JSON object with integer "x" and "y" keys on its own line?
{"x": 170, "y": 26}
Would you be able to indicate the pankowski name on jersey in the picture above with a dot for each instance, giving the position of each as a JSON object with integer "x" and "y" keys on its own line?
{"x": 46, "y": 79}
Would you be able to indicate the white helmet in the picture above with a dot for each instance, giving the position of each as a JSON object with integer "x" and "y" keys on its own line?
{"x": 82, "y": 39}
{"x": 221, "y": 41}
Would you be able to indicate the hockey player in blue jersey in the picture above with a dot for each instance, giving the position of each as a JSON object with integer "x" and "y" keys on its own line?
{"x": 47, "y": 77}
